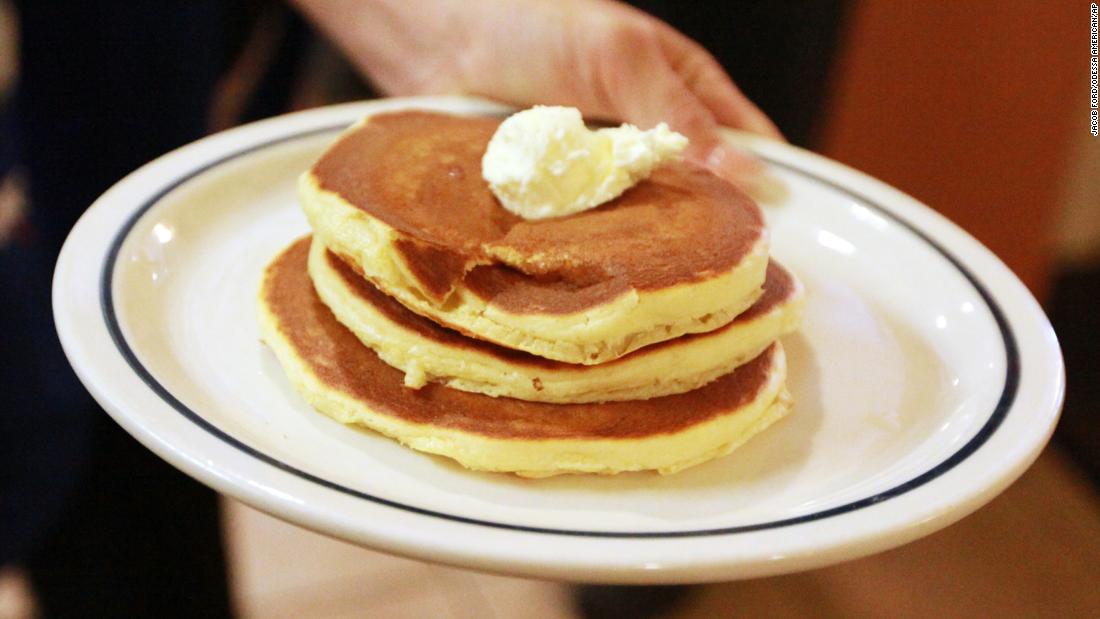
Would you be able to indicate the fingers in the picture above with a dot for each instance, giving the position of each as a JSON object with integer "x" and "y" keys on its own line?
{"x": 674, "y": 103}
{"x": 729, "y": 105}
{"x": 644, "y": 88}
{"x": 732, "y": 164}
{"x": 706, "y": 78}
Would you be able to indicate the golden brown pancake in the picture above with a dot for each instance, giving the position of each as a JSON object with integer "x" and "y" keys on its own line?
{"x": 347, "y": 381}
{"x": 401, "y": 195}
{"x": 427, "y": 352}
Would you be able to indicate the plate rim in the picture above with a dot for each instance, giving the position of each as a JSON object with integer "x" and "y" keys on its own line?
{"x": 988, "y": 429}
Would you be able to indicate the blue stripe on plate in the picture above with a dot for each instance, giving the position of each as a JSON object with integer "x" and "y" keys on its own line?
{"x": 1008, "y": 394}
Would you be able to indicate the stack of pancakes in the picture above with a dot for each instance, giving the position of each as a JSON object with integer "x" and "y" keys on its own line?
{"x": 638, "y": 335}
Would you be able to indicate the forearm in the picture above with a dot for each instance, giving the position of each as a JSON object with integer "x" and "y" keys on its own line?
{"x": 514, "y": 50}
{"x": 404, "y": 46}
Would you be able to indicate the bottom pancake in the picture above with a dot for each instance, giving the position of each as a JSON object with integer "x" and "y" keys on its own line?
{"x": 347, "y": 381}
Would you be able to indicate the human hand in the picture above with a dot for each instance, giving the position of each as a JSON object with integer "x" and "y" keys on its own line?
{"x": 607, "y": 59}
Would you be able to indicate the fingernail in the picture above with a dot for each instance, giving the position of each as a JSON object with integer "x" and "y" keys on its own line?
{"x": 730, "y": 163}
{"x": 746, "y": 172}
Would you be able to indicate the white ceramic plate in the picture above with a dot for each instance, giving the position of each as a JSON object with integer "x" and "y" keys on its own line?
{"x": 927, "y": 380}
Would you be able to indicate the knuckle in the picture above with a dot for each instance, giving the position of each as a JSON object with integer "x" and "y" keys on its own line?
{"x": 684, "y": 114}
{"x": 630, "y": 36}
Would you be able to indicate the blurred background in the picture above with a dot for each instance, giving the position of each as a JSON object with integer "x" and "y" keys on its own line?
{"x": 978, "y": 109}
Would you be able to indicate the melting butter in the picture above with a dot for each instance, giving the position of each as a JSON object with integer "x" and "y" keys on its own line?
{"x": 544, "y": 162}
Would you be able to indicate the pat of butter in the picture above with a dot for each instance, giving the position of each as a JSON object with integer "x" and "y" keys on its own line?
{"x": 543, "y": 162}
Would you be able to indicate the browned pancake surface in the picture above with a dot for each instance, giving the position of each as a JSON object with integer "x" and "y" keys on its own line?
{"x": 420, "y": 173}
{"x": 343, "y": 363}
{"x": 778, "y": 288}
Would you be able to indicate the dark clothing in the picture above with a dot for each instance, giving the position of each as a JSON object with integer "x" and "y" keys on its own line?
{"x": 104, "y": 527}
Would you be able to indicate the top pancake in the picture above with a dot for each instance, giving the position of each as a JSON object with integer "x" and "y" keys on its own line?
{"x": 437, "y": 233}
{"x": 680, "y": 225}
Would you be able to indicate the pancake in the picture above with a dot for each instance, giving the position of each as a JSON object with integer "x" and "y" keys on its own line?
{"x": 342, "y": 378}
{"x": 401, "y": 196}
{"x": 427, "y": 352}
